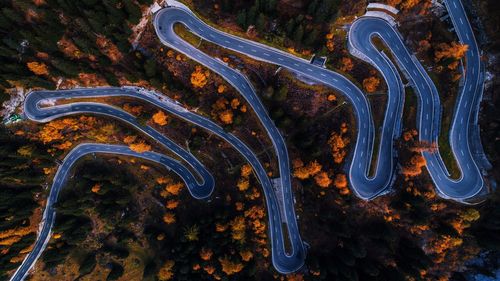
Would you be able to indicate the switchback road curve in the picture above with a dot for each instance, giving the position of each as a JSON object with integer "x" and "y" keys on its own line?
{"x": 471, "y": 181}
{"x": 364, "y": 186}
{"x": 35, "y": 111}
{"x": 76, "y": 153}
{"x": 361, "y": 32}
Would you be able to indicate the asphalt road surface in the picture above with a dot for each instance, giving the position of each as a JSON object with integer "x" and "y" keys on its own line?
{"x": 201, "y": 183}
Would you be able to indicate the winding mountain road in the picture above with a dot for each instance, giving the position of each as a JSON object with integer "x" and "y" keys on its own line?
{"x": 201, "y": 184}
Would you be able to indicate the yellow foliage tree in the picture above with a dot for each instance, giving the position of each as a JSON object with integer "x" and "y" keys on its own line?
{"x": 26, "y": 151}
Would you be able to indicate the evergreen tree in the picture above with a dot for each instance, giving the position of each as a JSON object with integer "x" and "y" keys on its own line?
{"x": 261, "y": 22}
{"x": 311, "y": 38}
{"x": 241, "y": 19}
{"x": 298, "y": 34}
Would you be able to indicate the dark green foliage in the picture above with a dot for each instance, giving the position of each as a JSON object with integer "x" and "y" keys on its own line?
{"x": 298, "y": 33}
{"x": 88, "y": 20}
{"x": 116, "y": 271}
{"x": 74, "y": 229}
{"x": 487, "y": 228}
{"x": 282, "y": 93}
{"x": 261, "y": 22}
{"x": 241, "y": 19}
{"x": 149, "y": 269}
{"x": 111, "y": 79}
{"x": 113, "y": 203}
{"x": 5, "y": 264}
{"x": 88, "y": 264}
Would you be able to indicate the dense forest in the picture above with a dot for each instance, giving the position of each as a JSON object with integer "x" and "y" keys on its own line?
{"x": 123, "y": 219}
{"x": 21, "y": 179}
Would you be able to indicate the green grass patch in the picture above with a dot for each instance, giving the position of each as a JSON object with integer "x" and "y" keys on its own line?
{"x": 378, "y": 105}
{"x": 187, "y": 35}
{"x": 448, "y": 106}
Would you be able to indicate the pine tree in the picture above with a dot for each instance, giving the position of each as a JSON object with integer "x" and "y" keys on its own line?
{"x": 298, "y": 34}
{"x": 261, "y": 22}
{"x": 241, "y": 19}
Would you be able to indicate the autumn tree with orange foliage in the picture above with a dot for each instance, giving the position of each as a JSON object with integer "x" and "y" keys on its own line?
{"x": 221, "y": 88}
{"x": 246, "y": 255}
{"x": 243, "y": 184}
{"x": 340, "y": 182}
{"x": 246, "y": 170}
{"x": 338, "y": 142}
{"x": 229, "y": 267}
{"x": 11, "y": 236}
{"x": 140, "y": 147}
{"x": 226, "y": 116}
{"x": 304, "y": 172}
{"x": 169, "y": 218}
{"x": 209, "y": 269}
{"x": 39, "y": 68}
{"x": 53, "y": 130}
{"x": 295, "y": 277}
{"x": 330, "y": 45}
{"x": 206, "y": 254}
{"x": 67, "y": 129}
{"x": 199, "y": 78}
{"x": 454, "y": 50}
{"x": 238, "y": 228}
{"x": 160, "y": 118}
{"x": 64, "y": 145}
{"x": 96, "y": 188}
{"x": 322, "y": 179}
{"x": 166, "y": 271}
{"x": 403, "y": 4}
{"x": 410, "y": 135}
{"x": 172, "y": 204}
{"x": 371, "y": 84}
{"x": 414, "y": 167}
{"x": 174, "y": 188}
{"x": 346, "y": 64}
{"x": 133, "y": 109}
